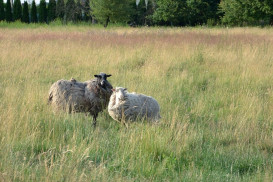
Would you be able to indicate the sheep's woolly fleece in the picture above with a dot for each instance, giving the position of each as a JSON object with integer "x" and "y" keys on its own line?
{"x": 74, "y": 96}
{"x": 125, "y": 106}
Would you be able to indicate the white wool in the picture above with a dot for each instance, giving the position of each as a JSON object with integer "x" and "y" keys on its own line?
{"x": 132, "y": 106}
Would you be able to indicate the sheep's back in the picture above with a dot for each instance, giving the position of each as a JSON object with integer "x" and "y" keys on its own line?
{"x": 144, "y": 106}
{"x": 135, "y": 106}
{"x": 69, "y": 96}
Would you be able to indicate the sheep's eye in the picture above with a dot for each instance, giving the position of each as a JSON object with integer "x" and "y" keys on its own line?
{"x": 97, "y": 76}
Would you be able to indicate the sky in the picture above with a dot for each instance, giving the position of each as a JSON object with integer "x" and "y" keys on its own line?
{"x": 29, "y": 1}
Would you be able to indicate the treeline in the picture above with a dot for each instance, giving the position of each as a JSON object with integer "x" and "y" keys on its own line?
{"x": 143, "y": 12}
{"x": 45, "y": 12}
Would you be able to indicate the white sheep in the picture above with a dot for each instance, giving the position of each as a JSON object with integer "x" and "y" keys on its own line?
{"x": 125, "y": 106}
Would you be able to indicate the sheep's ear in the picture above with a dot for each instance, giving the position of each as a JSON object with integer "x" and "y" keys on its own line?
{"x": 108, "y": 75}
{"x": 125, "y": 88}
{"x": 97, "y": 76}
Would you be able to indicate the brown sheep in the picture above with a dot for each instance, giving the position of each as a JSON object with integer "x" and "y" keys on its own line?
{"x": 72, "y": 96}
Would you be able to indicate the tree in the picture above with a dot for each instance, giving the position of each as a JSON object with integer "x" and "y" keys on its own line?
{"x": 33, "y": 12}
{"x": 213, "y": 13}
{"x": 246, "y": 12}
{"x": 42, "y": 12}
{"x": 267, "y": 8}
{"x": 170, "y": 12}
{"x": 79, "y": 9}
{"x": 51, "y": 10}
{"x": 17, "y": 10}
{"x": 60, "y": 9}
{"x": 197, "y": 12}
{"x": 86, "y": 11}
{"x": 2, "y": 11}
{"x": 71, "y": 11}
{"x": 25, "y": 17}
{"x": 116, "y": 11}
{"x": 141, "y": 13}
{"x": 9, "y": 17}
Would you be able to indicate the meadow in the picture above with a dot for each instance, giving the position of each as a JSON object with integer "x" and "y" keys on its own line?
{"x": 214, "y": 86}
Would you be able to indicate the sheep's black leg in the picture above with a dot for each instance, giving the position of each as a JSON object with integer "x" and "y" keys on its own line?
{"x": 95, "y": 120}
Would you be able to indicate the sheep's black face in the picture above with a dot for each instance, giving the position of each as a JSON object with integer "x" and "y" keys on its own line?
{"x": 102, "y": 78}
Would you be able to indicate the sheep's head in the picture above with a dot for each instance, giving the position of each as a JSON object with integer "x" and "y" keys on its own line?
{"x": 102, "y": 79}
{"x": 120, "y": 93}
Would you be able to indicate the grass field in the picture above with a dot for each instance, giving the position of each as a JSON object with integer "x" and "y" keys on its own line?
{"x": 214, "y": 86}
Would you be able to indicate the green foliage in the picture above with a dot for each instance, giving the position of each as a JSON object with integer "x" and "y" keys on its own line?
{"x": 267, "y": 8}
{"x": 2, "y": 11}
{"x": 141, "y": 14}
{"x": 60, "y": 9}
{"x": 233, "y": 12}
{"x": 246, "y": 12}
{"x": 198, "y": 11}
{"x": 213, "y": 13}
{"x": 51, "y": 10}
{"x": 25, "y": 17}
{"x": 86, "y": 11}
{"x": 71, "y": 11}
{"x": 17, "y": 10}
{"x": 115, "y": 11}
{"x": 8, "y": 12}
{"x": 33, "y": 14}
{"x": 79, "y": 10}
{"x": 42, "y": 12}
{"x": 185, "y": 12}
{"x": 170, "y": 12}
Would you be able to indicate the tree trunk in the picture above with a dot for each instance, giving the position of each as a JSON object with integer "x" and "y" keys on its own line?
{"x": 107, "y": 22}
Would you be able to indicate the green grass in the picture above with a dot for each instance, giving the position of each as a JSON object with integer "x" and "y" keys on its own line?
{"x": 56, "y": 24}
{"x": 214, "y": 87}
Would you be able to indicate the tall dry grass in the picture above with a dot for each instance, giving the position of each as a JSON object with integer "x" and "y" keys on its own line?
{"x": 214, "y": 86}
